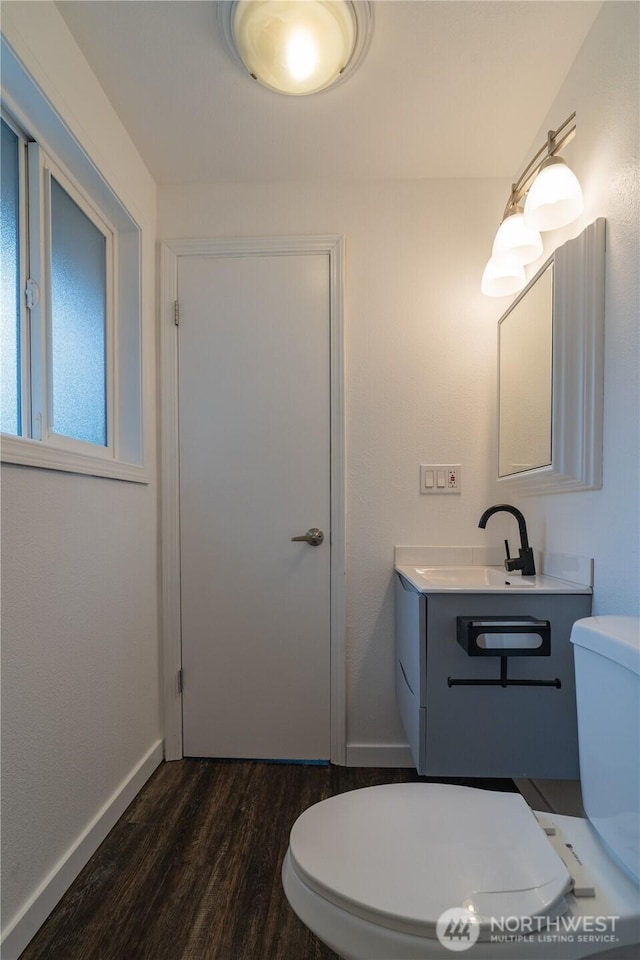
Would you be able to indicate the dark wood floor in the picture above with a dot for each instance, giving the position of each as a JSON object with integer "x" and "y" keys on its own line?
{"x": 192, "y": 869}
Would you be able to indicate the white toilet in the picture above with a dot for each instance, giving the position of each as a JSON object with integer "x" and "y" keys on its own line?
{"x": 371, "y": 872}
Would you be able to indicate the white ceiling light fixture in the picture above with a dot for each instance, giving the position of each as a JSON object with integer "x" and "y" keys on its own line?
{"x": 552, "y": 199}
{"x": 297, "y": 47}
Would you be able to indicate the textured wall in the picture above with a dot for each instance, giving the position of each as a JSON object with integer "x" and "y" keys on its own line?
{"x": 420, "y": 377}
{"x": 79, "y": 559}
{"x": 603, "y": 86}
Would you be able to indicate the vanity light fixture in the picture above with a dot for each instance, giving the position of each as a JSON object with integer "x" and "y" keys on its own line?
{"x": 546, "y": 196}
{"x": 297, "y": 47}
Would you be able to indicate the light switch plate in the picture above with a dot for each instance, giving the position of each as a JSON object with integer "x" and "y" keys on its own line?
{"x": 440, "y": 478}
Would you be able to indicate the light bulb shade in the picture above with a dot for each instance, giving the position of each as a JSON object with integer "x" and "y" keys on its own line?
{"x": 514, "y": 237}
{"x": 296, "y": 47}
{"x": 555, "y": 198}
{"x": 503, "y": 276}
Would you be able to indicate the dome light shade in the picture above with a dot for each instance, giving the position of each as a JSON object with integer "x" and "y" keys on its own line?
{"x": 503, "y": 277}
{"x": 297, "y": 47}
{"x": 514, "y": 237}
{"x": 555, "y": 198}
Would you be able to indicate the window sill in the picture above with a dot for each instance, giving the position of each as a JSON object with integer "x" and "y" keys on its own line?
{"x": 34, "y": 453}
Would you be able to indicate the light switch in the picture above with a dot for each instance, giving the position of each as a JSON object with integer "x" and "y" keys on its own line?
{"x": 440, "y": 478}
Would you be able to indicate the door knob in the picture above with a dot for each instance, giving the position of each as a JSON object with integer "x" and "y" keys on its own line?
{"x": 313, "y": 537}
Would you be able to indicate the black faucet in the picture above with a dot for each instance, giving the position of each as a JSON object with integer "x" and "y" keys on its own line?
{"x": 525, "y": 561}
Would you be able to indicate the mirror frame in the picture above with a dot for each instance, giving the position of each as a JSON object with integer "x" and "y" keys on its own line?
{"x": 577, "y": 368}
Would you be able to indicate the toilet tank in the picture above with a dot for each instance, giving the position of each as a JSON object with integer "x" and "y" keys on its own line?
{"x": 607, "y": 664}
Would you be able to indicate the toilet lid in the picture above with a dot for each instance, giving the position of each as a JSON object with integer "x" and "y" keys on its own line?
{"x": 401, "y": 854}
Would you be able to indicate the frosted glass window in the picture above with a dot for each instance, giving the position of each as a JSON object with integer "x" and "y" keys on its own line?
{"x": 78, "y": 321}
{"x": 71, "y": 352}
{"x": 10, "y": 284}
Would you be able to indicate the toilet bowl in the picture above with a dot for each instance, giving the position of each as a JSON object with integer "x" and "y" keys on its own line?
{"x": 417, "y": 871}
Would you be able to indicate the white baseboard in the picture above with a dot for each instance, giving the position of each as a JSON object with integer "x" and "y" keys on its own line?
{"x": 29, "y": 920}
{"x": 376, "y": 755}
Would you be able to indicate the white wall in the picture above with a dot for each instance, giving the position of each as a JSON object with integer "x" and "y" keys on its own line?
{"x": 80, "y": 706}
{"x": 420, "y": 376}
{"x": 603, "y": 86}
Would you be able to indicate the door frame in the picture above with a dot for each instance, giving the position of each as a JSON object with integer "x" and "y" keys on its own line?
{"x": 169, "y": 469}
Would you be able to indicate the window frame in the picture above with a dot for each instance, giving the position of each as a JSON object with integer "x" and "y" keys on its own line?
{"x": 123, "y": 457}
{"x": 47, "y": 170}
{"x": 24, "y": 392}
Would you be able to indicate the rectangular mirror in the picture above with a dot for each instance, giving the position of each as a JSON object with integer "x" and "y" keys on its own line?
{"x": 524, "y": 414}
{"x": 550, "y": 373}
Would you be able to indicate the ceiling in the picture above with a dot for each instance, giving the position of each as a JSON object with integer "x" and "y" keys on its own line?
{"x": 448, "y": 89}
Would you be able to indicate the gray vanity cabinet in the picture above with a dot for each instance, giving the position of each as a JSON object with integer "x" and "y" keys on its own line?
{"x": 486, "y": 730}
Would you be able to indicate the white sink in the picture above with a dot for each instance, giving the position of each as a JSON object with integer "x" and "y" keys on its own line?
{"x": 470, "y": 579}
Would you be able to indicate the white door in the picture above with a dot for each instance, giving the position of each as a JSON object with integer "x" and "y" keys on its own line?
{"x": 254, "y": 417}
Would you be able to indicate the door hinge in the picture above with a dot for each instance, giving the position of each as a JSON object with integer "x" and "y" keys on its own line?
{"x": 176, "y": 313}
{"x": 32, "y": 294}
{"x": 180, "y": 680}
